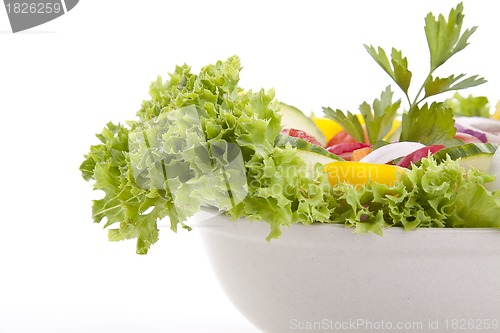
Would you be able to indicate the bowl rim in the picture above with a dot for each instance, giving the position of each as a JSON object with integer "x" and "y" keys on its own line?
{"x": 221, "y": 220}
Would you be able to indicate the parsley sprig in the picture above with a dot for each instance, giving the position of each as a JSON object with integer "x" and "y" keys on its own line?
{"x": 429, "y": 124}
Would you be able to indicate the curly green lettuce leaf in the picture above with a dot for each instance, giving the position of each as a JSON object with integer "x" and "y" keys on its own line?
{"x": 124, "y": 202}
{"x": 187, "y": 149}
{"x": 428, "y": 195}
{"x": 283, "y": 191}
{"x": 470, "y": 106}
{"x": 476, "y": 207}
{"x": 431, "y": 195}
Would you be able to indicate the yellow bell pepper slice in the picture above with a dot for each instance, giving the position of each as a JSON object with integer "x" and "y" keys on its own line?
{"x": 496, "y": 114}
{"x": 330, "y": 128}
{"x": 395, "y": 125}
{"x": 360, "y": 173}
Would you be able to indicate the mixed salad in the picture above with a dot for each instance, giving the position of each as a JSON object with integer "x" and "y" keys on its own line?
{"x": 204, "y": 141}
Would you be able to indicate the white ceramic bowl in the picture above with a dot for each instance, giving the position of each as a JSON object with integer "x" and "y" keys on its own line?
{"x": 325, "y": 278}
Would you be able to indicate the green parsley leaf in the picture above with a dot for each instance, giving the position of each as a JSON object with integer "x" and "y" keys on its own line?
{"x": 349, "y": 122}
{"x": 429, "y": 125}
{"x": 397, "y": 68}
{"x": 443, "y": 36}
{"x": 434, "y": 86}
{"x": 379, "y": 122}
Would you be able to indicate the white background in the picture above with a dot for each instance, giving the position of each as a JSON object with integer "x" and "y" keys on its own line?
{"x": 62, "y": 81}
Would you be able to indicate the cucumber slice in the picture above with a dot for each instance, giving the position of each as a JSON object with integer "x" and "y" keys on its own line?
{"x": 314, "y": 151}
{"x": 476, "y": 155}
{"x": 291, "y": 117}
{"x": 495, "y": 171}
{"x": 311, "y": 154}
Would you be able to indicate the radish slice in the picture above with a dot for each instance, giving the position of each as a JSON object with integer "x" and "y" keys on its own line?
{"x": 480, "y": 125}
{"x": 494, "y": 170}
{"x": 345, "y": 150}
{"x": 418, "y": 154}
{"x": 391, "y": 151}
{"x": 303, "y": 135}
{"x": 347, "y": 147}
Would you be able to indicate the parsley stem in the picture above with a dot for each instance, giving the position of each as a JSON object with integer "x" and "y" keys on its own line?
{"x": 408, "y": 99}
{"x": 416, "y": 101}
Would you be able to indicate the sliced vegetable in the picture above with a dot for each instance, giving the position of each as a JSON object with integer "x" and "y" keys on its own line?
{"x": 304, "y": 136}
{"x": 328, "y": 127}
{"x": 345, "y": 150}
{"x": 291, "y": 117}
{"x": 358, "y": 154}
{"x": 494, "y": 169}
{"x": 340, "y": 137}
{"x": 480, "y": 135}
{"x": 496, "y": 114}
{"x": 391, "y": 152}
{"x": 467, "y": 138}
{"x": 477, "y": 155}
{"x": 488, "y": 127}
{"x": 359, "y": 173}
{"x": 480, "y": 162}
{"x": 418, "y": 154}
{"x": 320, "y": 154}
{"x": 310, "y": 153}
